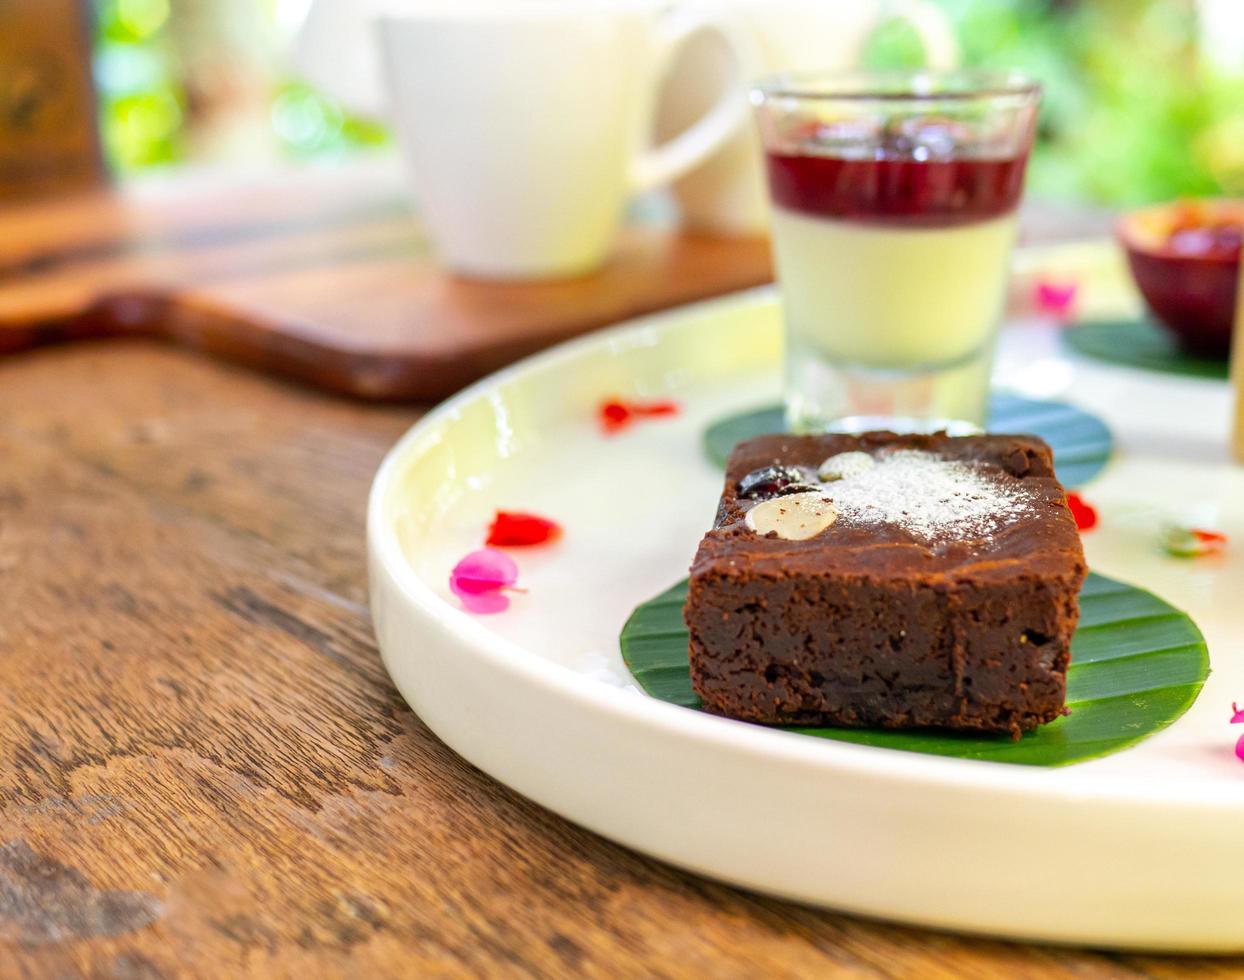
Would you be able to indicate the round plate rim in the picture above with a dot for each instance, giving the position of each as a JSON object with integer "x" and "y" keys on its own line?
{"x": 908, "y": 769}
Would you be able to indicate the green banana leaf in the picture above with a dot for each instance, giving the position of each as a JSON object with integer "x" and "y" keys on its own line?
{"x": 1140, "y": 344}
{"x": 1137, "y": 664}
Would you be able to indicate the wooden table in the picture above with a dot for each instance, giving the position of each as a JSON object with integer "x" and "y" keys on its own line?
{"x": 207, "y": 772}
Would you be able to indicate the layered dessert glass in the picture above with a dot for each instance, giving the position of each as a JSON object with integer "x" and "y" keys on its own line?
{"x": 894, "y": 200}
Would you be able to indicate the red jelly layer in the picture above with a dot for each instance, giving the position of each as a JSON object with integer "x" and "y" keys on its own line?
{"x": 902, "y": 192}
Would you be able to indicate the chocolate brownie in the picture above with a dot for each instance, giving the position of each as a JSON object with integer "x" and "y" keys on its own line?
{"x": 886, "y": 580}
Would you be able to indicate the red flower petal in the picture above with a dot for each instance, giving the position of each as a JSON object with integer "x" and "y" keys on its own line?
{"x": 480, "y": 579}
{"x": 616, "y": 414}
{"x": 514, "y": 529}
{"x": 1084, "y": 513}
{"x": 655, "y": 408}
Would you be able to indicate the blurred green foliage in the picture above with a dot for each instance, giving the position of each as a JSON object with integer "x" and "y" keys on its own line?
{"x": 1133, "y": 112}
{"x": 309, "y": 125}
{"x": 141, "y": 105}
{"x": 147, "y": 111}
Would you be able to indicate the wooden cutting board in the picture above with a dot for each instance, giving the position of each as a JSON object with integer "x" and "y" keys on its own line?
{"x": 324, "y": 276}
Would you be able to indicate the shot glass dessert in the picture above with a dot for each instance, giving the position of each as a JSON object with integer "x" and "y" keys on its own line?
{"x": 894, "y": 199}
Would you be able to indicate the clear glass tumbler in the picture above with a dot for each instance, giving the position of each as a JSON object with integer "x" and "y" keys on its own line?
{"x": 894, "y": 199}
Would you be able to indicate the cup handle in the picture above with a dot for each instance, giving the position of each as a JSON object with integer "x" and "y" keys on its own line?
{"x": 932, "y": 26}
{"x": 660, "y": 165}
{"x": 336, "y": 49}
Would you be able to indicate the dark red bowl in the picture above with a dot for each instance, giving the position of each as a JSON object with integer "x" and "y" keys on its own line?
{"x": 1188, "y": 287}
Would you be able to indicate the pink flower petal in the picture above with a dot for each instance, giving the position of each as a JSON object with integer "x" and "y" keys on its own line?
{"x": 1239, "y": 749}
{"x": 1056, "y": 299}
{"x": 1238, "y": 718}
{"x": 479, "y": 578}
{"x": 484, "y": 603}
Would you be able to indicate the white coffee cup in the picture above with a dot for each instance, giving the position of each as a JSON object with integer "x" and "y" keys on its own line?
{"x": 525, "y": 125}
{"x": 727, "y": 193}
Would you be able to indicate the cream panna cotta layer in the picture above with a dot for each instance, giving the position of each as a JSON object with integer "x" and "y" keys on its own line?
{"x": 890, "y": 296}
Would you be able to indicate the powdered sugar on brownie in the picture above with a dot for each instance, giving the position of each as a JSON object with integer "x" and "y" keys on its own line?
{"x": 928, "y": 496}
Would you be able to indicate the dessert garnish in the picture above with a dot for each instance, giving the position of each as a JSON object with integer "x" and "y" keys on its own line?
{"x": 515, "y": 529}
{"x": 923, "y": 493}
{"x": 1054, "y": 298}
{"x": 842, "y": 465}
{"x": 773, "y": 481}
{"x": 929, "y": 496}
{"x": 1084, "y": 512}
{"x": 796, "y": 517}
{"x": 1192, "y": 542}
{"x": 616, "y": 414}
{"x": 482, "y": 579}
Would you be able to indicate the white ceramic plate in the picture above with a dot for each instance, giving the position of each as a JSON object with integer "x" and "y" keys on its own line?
{"x": 1141, "y": 849}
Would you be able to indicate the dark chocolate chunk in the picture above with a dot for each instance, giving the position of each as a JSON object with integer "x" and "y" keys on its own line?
{"x": 773, "y": 481}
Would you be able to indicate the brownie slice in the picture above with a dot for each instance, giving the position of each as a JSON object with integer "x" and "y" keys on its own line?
{"x": 943, "y": 594}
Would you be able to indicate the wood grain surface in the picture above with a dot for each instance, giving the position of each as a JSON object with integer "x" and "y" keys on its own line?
{"x": 324, "y": 276}
{"x": 206, "y": 772}
{"x": 49, "y": 140}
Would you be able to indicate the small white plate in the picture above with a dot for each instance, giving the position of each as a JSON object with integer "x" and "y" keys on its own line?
{"x": 1142, "y": 849}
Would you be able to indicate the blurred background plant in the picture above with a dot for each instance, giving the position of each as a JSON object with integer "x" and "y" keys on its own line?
{"x": 205, "y": 81}
{"x": 1144, "y": 98}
